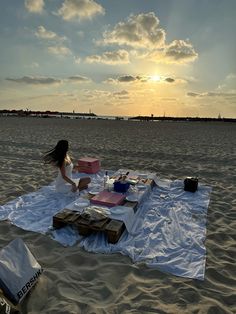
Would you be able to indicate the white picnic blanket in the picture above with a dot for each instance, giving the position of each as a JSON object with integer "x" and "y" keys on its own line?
{"x": 167, "y": 231}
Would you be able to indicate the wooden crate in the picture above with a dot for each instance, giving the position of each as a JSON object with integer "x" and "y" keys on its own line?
{"x": 113, "y": 228}
{"x": 59, "y": 220}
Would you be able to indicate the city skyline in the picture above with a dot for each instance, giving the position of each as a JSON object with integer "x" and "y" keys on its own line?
{"x": 119, "y": 58}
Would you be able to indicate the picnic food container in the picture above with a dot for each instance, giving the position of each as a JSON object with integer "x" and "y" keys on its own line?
{"x": 121, "y": 186}
{"x": 88, "y": 165}
{"x": 107, "y": 198}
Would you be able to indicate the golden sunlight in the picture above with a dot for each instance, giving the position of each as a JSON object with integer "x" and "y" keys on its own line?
{"x": 155, "y": 78}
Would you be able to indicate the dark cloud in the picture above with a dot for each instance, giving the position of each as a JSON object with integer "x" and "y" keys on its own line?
{"x": 35, "y": 80}
{"x": 142, "y": 79}
{"x": 127, "y": 78}
{"x": 191, "y": 94}
{"x": 78, "y": 78}
{"x": 220, "y": 94}
{"x": 169, "y": 80}
{"x": 121, "y": 93}
{"x": 212, "y": 94}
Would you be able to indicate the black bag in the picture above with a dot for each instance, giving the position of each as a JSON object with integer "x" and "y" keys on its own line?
{"x": 190, "y": 184}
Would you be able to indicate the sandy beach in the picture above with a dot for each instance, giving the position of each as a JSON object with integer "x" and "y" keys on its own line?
{"x": 76, "y": 281}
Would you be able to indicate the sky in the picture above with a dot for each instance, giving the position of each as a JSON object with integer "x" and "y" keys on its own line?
{"x": 119, "y": 57}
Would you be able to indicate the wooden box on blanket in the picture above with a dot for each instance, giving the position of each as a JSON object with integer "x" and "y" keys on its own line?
{"x": 112, "y": 228}
{"x": 88, "y": 165}
{"x": 64, "y": 218}
{"x": 108, "y": 199}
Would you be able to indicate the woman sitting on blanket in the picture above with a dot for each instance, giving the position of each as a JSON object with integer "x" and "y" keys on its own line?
{"x": 59, "y": 157}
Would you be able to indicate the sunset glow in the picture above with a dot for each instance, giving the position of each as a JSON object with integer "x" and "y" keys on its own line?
{"x": 155, "y": 78}
{"x": 119, "y": 57}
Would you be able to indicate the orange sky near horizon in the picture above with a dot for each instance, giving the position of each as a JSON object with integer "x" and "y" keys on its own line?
{"x": 120, "y": 59}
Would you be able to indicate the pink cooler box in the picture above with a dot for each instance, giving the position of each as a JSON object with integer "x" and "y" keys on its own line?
{"x": 88, "y": 165}
{"x": 109, "y": 199}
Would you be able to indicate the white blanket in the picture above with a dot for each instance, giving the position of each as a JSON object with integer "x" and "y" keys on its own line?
{"x": 168, "y": 231}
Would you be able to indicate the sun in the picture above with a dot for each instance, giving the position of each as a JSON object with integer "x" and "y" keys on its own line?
{"x": 155, "y": 78}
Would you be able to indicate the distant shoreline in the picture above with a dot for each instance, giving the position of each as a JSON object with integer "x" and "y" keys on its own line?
{"x": 90, "y": 115}
{"x": 47, "y": 113}
{"x": 148, "y": 118}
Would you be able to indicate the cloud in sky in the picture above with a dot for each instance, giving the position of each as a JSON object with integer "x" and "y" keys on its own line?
{"x": 93, "y": 94}
{"x": 143, "y": 79}
{"x": 177, "y": 52}
{"x": 123, "y": 94}
{"x": 127, "y": 78}
{"x": 110, "y": 57}
{"x": 78, "y": 79}
{"x": 34, "y": 6}
{"x": 59, "y": 50}
{"x": 136, "y": 50}
{"x": 212, "y": 94}
{"x": 46, "y": 34}
{"x": 180, "y": 51}
{"x": 142, "y": 30}
{"x": 79, "y": 9}
{"x": 41, "y": 80}
{"x": 169, "y": 80}
{"x": 122, "y": 79}
{"x": 34, "y": 80}
{"x": 192, "y": 94}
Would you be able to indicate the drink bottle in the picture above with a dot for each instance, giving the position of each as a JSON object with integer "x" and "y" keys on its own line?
{"x": 106, "y": 178}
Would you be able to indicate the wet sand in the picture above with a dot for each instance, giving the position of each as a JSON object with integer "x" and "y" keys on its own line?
{"x": 76, "y": 281}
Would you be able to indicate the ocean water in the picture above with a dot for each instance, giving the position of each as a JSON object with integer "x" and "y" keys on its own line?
{"x": 80, "y": 282}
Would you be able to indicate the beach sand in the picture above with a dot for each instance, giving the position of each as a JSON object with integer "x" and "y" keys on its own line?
{"x": 75, "y": 281}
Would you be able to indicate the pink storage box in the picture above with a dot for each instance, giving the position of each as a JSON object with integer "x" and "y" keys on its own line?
{"x": 88, "y": 165}
{"x": 109, "y": 199}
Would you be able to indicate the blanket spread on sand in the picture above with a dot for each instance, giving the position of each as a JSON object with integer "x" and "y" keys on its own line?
{"x": 168, "y": 231}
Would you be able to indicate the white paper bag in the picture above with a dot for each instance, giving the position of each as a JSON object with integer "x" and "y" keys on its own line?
{"x": 19, "y": 270}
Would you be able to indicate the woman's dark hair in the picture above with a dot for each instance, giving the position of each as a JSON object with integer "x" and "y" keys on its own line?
{"x": 57, "y": 155}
